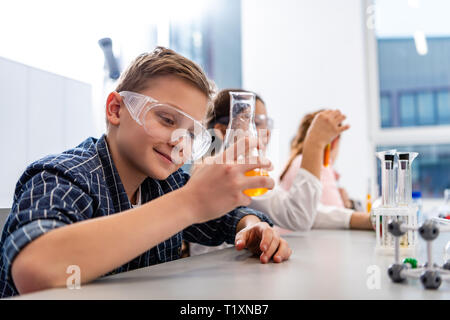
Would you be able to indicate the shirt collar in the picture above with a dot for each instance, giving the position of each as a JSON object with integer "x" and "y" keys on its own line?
{"x": 112, "y": 178}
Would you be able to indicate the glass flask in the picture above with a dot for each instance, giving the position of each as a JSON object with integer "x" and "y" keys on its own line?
{"x": 242, "y": 124}
{"x": 405, "y": 160}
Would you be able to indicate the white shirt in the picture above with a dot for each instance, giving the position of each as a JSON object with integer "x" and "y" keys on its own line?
{"x": 299, "y": 209}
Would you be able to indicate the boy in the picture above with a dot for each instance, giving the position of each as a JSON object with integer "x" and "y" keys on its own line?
{"x": 121, "y": 202}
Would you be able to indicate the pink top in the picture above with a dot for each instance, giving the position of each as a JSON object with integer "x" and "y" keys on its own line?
{"x": 328, "y": 178}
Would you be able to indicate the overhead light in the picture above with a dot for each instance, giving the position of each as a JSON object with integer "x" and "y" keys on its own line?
{"x": 421, "y": 43}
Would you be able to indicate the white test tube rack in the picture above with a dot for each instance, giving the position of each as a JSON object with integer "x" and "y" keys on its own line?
{"x": 385, "y": 241}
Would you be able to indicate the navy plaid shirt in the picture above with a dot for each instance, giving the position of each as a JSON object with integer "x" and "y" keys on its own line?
{"x": 83, "y": 183}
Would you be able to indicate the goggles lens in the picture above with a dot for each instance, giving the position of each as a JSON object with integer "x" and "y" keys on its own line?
{"x": 263, "y": 122}
{"x": 190, "y": 138}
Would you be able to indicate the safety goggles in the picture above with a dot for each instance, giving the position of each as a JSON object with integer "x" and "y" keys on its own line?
{"x": 163, "y": 121}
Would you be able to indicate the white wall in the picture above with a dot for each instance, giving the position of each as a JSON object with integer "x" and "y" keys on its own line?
{"x": 302, "y": 55}
{"x": 41, "y": 113}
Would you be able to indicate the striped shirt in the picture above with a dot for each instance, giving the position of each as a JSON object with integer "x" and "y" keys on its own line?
{"x": 83, "y": 183}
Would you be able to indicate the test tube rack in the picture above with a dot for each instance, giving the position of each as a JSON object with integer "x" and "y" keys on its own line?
{"x": 430, "y": 274}
{"x": 385, "y": 242}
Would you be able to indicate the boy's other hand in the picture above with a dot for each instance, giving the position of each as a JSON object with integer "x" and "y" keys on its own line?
{"x": 263, "y": 240}
{"x": 326, "y": 126}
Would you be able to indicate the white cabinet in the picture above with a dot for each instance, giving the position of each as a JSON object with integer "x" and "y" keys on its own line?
{"x": 40, "y": 113}
{"x": 78, "y": 115}
{"x": 46, "y": 114}
{"x": 13, "y": 126}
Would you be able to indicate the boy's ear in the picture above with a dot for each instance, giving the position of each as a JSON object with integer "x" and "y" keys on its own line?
{"x": 113, "y": 108}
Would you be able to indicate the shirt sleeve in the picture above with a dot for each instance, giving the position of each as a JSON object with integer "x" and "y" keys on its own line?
{"x": 45, "y": 203}
{"x": 223, "y": 229}
{"x": 330, "y": 217}
{"x": 294, "y": 209}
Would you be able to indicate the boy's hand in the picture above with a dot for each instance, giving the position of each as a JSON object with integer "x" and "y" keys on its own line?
{"x": 261, "y": 239}
{"x": 326, "y": 126}
{"x": 217, "y": 184}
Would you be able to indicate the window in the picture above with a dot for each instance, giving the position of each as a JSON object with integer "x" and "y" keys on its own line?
{"x": 386, "y": 112}
{"x": 407, "y": 110}
{"x": 425, "y": 109}
{"x": 417, "y": 108}
{"x": 420, "y": 82}
{"x": 443, "y": 107}
{"x": 411, "y": 46}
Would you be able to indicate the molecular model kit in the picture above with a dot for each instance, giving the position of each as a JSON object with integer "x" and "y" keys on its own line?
{"x": 397, "y": 227}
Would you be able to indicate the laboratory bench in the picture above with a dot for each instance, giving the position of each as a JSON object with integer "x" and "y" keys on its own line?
{"x": 325, "y": 264}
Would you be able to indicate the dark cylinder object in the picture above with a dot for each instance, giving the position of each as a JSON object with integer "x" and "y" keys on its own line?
{"x": 110, "y": 60}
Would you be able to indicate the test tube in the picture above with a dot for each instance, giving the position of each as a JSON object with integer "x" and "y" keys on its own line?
{"x": 369, "y": 197}
{"x": 326, "y": 156}
{"x": 404, "y": 177}
{"x": 387, "y": 178}
{"x": 387, "y": 190}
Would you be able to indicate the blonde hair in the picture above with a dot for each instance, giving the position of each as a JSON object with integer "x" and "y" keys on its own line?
{"x": 160, "y": 62}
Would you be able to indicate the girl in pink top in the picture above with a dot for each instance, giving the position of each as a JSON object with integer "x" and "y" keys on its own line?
{"x": 332, "y": 195}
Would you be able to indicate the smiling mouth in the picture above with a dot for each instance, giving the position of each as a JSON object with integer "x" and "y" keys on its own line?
{"x": 168, "y": 158}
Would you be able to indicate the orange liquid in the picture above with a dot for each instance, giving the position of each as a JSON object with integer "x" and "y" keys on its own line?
{"x": 326, "y": 156}
{"x": 369, "y": 203}
{"x": 258, "y": 191}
